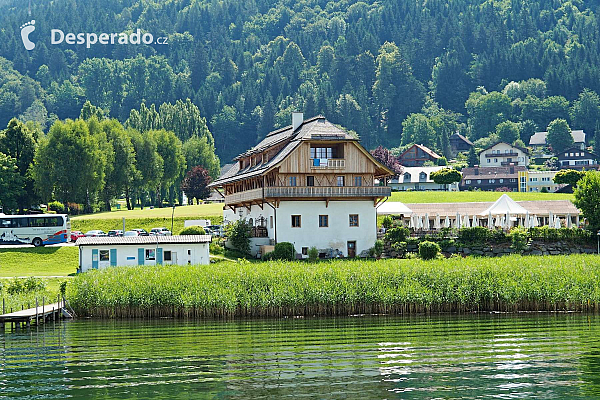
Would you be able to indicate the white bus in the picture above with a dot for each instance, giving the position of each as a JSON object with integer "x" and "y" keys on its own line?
{"x": 39, "y": 229}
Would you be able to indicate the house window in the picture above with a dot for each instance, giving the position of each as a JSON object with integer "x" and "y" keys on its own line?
{"x": 104, "y": 255}
{"x": 407, "y": 177}
{"x": 478, "y": 181}
{"x": 340, "y": 181}
{"x": 296, "y": 221}
{"x": 513, "y": 180}
{"x": 305, "y": 251}
{"x": 489, "y": 160}
{"x": 566, "y": 154}
{"x": 167, "y": 255}
{"x": 358, "y": 181}
{"x": 292, "y": 181}
{"x": 310, "y": 181}
{"x": 495, "y": 160}
{"x": 492, "y": 181}
{"x": 353, "y": 219}
{"x": 501, "y": 180}
{"x": 468, "y": 182}
{"x": 271, "y": 221}
{"x": 422, "y": 177}
{"x": 150, "y": 254}
{"x": 323, "y": 221}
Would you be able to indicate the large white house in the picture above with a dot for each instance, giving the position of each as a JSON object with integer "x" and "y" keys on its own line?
{"x": 103, "y": 252}
{"x": 310, "y": 184}
{"x": 502, "y": 155}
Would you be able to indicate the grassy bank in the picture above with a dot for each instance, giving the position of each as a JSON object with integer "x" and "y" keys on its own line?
{"x": 41, "y": 261}
{"x": 209, "y": 210}
{"x": 459, "y": 197}
{"x": 18, "y": 294}
{"x": 277, "y": 289}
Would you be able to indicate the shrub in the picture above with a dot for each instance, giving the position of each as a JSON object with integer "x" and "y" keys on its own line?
{"x": 73, "y": 209}
{"x": 216, "y": 248}
{"x": 31, "y": 284}
{"x": 400, "y": 248}
{"x": 428, "y": 250}
{"x": 518, "y": 238}
{"x": 398, "y": 234}
{"x": 477, "y": 234}
{"x": 239, "y": 235}
{"x": 193, "y": 230}
{"x": 387, "y": 222}
{"x": 378, "y": 248}
{"x": 282, "y": 251}
{"x": 313, "y": 254}
{"x": 56, "y": 206}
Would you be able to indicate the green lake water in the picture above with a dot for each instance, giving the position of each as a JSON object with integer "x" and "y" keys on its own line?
{"x": 523, "y": 356}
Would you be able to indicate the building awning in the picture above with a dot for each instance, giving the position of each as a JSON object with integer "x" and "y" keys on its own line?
{"x": 393, "y": 208}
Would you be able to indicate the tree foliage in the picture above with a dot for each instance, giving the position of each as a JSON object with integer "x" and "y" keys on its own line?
{"x": 568, "y": 177}
{"x": 446, "y": 176}
{"x": 559, "y": 135}
{"x": 195, "y": 184}
{"x": 385, "y": 157}
{"x": 587, "y": 194}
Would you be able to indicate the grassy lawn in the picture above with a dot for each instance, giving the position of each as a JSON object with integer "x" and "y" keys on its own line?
{"x": 459, "y": 197}
{"x": 196, "y": 211}
{"x": 41, "y": 261}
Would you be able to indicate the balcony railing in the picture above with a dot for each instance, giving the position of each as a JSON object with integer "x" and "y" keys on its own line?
{"x": 245, "y": 196}
{"x": 501, "y": 155}
{"x": 330, "y": 163}
{"x": 328, "y": 191}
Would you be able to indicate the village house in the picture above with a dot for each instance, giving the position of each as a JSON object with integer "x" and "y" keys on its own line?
{"x": 416, "y": 155}
{"x": 310, "y": 184}
{"x": 491, "y": 178}
{"x": 103, "y": 252}
{"x": 502, "y": 155}
{"x": 577, "y": 158}
{"x": 538, "y": 140}
{"x": 537, "y": 181}
{"x": 419, "y": 178}
{"x": 459, "y": 143}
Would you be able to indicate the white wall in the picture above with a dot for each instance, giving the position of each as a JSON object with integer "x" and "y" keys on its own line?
{"x": 255, "y": 213}
{"x": 128, "y": 254}
{"x": 522, "y": 159}
{"x": 337, "y": 234}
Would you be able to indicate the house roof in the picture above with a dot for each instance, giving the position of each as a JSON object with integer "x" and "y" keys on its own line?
{"x": 539, "y": 138}
{"x": 316, "y": 128}
{"x": 425, "y": 149}
{"x": 414, "y": 174}
{"x": 523, "y": 149}
{"x": 492, "y": 172}
{"x": 143, "y": 240}
{"x": 461, "y": 137}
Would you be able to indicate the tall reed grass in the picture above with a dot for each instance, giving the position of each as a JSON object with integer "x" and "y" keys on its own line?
{"x": 275, "y": 289}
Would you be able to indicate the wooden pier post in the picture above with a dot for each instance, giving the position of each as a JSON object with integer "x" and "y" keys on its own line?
{"x": 3, "y": 307}
{"x": 36, "y": 311}
{"x": 43, "y": 311}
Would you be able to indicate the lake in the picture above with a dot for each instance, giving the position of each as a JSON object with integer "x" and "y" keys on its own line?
{"x": 518, "y": 356}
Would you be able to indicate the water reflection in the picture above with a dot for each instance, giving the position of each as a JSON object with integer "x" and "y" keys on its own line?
{"x": 499, "y": 356}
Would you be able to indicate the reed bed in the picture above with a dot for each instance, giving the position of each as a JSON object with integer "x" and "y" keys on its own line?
{"x": 276, "y": 289}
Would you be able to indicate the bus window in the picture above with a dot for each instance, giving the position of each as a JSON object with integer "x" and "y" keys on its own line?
{"x": 5, "y": 223}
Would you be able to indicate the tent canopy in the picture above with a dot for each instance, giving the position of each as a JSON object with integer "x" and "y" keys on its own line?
{"x": 393, "y": 208}
{"x": 505, "y": 205}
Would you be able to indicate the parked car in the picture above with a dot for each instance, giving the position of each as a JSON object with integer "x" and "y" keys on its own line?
{"x": 217, "y": 230}
{"x": 160, "y": 231}
{"x": 131, "y": 233}
{"x": 76, "y": 235}
{"x": 142, "y": 232}
{"x": 95, "y": 233}
{"x": 115, "y": 232}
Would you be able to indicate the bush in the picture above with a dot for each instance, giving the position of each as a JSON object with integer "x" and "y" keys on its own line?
{"x": 400, "y": 248}
{"x": 239, "y": 235}
{"x": 428, "y": 250}
{"x": 74, "y": 209}
{"x": 313, "y": 254}
{"x": 518, "y": 238}
{"x": 216, "y": 248}
{"x": 378, "y": 248}
{"x": 56, "y": 206}
{"x": 477, "y": 234}
{"x": 282, "y": 251}
{"x": 17, "y": 286}
{"x": 387, "y": 222}
{"x": 398, "y": 234}
{"x": 193, "y": 230}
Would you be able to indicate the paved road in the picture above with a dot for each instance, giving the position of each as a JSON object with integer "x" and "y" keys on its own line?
{"x": 25, "y": 246}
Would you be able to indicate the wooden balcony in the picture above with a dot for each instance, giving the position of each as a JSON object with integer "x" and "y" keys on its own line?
{"x": 308, "y": 192}
{"x": 501, "y": 155}
{"x": 332, "y": 163}
{"x": 327, "y": 191}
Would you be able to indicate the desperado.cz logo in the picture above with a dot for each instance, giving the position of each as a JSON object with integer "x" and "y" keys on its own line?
{"x": 89, "y": 39}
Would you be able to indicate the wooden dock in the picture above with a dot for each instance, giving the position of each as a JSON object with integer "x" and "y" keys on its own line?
{"x": 40, "y": 314}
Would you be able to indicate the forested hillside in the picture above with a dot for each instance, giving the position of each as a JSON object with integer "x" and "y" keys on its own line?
{"x": 368, "y": 65}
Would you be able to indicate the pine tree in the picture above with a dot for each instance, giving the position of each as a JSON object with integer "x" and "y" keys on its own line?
{"x": 472, "y": 158}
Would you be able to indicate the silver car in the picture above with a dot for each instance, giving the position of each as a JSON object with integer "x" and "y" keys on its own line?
{"x": 160, "y": 232}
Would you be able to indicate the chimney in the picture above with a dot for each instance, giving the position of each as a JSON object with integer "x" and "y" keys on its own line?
{"x": 476, "y": 171}
{"x": 512, "y": 170}
{"x": 297, "y": 120}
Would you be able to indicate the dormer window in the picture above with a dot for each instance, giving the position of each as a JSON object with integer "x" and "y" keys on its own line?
{"x": 407, "y": 177}
{"x": 422, "y": 177}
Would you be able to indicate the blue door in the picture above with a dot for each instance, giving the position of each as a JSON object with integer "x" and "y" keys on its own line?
{"x": 159, "y": 256}
{"x": 94, "y": 258}
{"x": 140, "y": 256}
{"x": 113, "y": 257}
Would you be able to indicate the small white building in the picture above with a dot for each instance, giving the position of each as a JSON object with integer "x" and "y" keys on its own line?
{"x": 502, "y": 155}
{"x": 103, "y": 252}
{"x": 419, "y": 178}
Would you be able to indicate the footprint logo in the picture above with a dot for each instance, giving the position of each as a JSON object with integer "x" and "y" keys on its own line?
{"x": 26, "y": 29}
